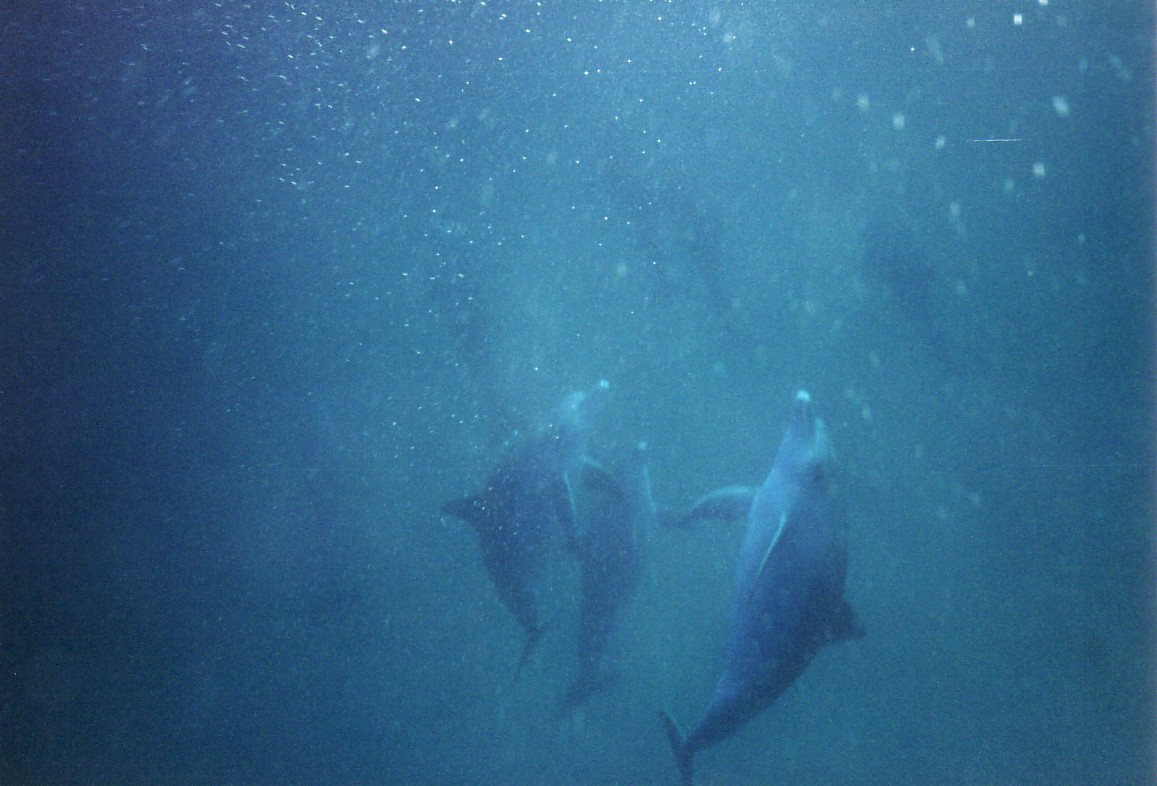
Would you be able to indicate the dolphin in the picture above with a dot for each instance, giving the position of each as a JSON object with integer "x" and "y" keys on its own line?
{"x": 527, "y": 505}
{"x": 789, "y": 590}
{"x": 620, "y": 517}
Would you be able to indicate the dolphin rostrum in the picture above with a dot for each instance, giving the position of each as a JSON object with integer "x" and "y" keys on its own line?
{"x": 789, "y": 590}
{"x": 527, "y": 506}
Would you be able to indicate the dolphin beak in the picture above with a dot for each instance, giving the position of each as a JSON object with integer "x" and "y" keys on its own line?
{"x": 802, "y": 420}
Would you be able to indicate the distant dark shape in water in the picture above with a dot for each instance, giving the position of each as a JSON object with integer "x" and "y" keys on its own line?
{"x": 892, "y": 256}
{"x": 527, "y": 507}
{"x": 620, "y": 515}
{"x": 789, "y": 590}
{"x": 680, "y": 239}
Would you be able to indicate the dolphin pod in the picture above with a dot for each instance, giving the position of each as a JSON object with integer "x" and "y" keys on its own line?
{"x": 789, "y": 588}
{"x": 527, "y": 507}
{"x": 788, "y": 600}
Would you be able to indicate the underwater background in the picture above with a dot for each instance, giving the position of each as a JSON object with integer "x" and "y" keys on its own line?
{"x": 280, "y": 278}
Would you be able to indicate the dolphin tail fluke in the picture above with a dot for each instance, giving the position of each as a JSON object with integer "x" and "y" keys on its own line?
{"x": 684, "y": 758}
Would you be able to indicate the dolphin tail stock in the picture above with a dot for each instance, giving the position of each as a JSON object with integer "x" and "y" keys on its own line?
{"x": 533, "y": 637}
{"x": 583, "y": 687}
{"x": 684, "y": 758}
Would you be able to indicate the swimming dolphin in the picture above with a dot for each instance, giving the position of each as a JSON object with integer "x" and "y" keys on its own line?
{"x": 527, "y": 506}
{"x": 789, "y": 590}
{"x": 611, "y": 551}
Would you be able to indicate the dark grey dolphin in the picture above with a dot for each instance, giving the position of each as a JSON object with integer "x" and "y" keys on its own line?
{"x": 527, "y": 506}
{"x": 620, "y": 515}
{"x": 789, "y": 590}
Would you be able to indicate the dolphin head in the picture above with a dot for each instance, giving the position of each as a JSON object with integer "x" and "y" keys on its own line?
{"x": 805, "y": 449}
{"x": 573, "y": 418}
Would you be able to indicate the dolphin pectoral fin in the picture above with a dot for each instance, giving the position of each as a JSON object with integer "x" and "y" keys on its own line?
{"x": 562, "y": 499}
{"x": 729, "y": 504}
{"x": 672, "y": 518}
{"x": 595, "y": 476}
{"x": 684, "y": 759}
{"x": 471, "y": 509}
{"x": 844, "y": 624}
{"x": 770, "y": 548}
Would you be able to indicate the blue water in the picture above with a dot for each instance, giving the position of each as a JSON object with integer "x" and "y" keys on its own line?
{"x": 278, "y": 279}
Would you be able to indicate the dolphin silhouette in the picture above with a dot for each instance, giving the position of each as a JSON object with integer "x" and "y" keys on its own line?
{"x": 789, "y": 590}
{"x": 611, "y": 552}
{"x": 527, "y": 505}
